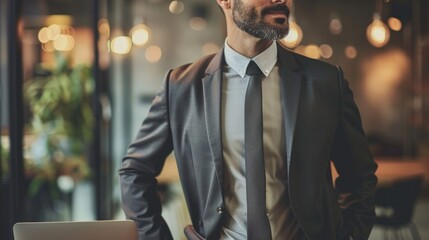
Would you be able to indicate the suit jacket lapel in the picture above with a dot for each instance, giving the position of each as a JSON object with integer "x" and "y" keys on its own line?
{"x": 290, "y": 84}
{"x": 212, "y": 85}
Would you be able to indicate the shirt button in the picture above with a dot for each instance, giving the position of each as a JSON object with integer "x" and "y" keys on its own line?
{"x": 266, "y": 212}
{"x": 219, "y": 210}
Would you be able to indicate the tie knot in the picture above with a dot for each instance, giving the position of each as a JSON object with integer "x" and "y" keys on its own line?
{"x": 253, "y": 69}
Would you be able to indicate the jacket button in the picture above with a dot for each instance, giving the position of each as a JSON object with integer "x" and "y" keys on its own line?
{"x": 219, "y": 210}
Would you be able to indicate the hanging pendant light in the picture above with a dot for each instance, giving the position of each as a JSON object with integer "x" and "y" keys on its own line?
{"x": 377, "y": 32}
{"x": 140, "y": 33}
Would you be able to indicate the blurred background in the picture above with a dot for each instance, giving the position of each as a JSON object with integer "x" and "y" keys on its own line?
{"x": 77, "y": 78}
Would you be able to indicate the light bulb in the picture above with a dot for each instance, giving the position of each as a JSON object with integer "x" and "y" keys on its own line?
{"x": 294, "y": 37}
{"x": 378, "y": 33}
{"x": 121, "y": 45}
{"x": 140, "y": 34}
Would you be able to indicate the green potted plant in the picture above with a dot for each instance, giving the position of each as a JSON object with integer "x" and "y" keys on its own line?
{"x": 59, "y": 102}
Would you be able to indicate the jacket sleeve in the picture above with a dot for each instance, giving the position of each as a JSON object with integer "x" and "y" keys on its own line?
{"x": 142, "y": 163}
{"x": 356, "y": 167}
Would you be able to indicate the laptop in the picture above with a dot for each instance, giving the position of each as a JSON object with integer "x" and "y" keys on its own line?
{"x": 91, "y": 230}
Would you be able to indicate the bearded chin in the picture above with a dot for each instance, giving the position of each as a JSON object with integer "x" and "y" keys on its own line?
{"x": 249, "y": 24}
{"x": 268, "y": 32}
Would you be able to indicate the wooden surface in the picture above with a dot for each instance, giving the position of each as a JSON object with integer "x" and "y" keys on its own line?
{"x": 389, "y": 170}
{"x": 169, "y": 173}
{"x": 394, "y": 169}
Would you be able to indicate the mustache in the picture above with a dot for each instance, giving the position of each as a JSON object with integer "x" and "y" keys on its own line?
{"x": 276, "y": 8}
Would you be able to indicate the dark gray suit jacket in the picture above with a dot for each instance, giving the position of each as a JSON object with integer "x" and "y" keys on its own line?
{"x": 322, "y": 123}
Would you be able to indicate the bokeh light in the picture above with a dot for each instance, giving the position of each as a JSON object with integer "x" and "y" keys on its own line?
{"x": 394, "y": 24}
{"x": 153, "y": 54}
{"x": 294, "y": 37}
{"x": 121, "y": 45}
{"x": 176, "y": 7}
{"x": 350, "y": 52}
{"x": 197, "y": 23}
{"x": 209, "y": 48}
{"x": 312, "y": 51}
{"x": 64, "y": 42}
{"x": 140, "y": 34}
{"x": 326, "y": 51}
{"x": 378, "y": 33}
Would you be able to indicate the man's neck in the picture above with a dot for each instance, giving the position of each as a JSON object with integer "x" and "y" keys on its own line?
{"x": 246, "y": 44}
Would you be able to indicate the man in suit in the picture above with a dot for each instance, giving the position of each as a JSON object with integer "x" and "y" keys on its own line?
{"x": 221, "y": 123}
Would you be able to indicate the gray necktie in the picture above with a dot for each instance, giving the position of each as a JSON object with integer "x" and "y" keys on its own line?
{"x": 258, "y": 226}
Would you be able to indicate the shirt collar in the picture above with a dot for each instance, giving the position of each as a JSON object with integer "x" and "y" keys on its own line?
{"x": 265, "y": 60}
